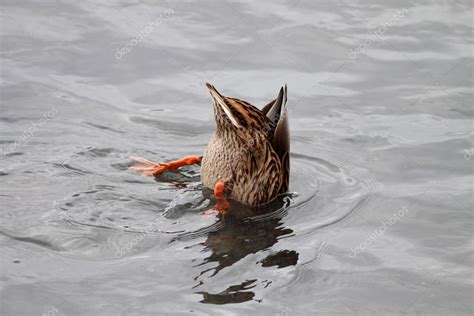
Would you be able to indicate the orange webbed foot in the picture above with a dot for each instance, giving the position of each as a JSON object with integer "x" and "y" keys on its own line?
{"x": 222, "y": 204}
{"x": 148, "y": 168}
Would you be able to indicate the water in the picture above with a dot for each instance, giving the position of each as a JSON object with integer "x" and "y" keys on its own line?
{"x": 379, "y": 218}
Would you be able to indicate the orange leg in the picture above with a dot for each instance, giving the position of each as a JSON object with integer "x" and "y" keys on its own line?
{"x": 219, "y": 190}
{"x": 148, "y": 168}
{"x": 222, "y": 204}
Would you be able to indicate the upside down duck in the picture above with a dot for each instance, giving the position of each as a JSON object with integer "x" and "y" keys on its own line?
{"x": 247, "y": 158}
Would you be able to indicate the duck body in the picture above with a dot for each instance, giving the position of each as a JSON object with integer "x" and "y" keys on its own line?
{"x": 249, "y": 150}
{"x": 248, "y": 156}
{"x": 251, "y": 171}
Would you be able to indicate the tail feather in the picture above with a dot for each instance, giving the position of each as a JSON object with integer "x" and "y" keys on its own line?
{"x": 277, "y": 112}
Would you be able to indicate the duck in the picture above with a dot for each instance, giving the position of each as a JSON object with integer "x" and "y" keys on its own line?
{"x": 247, "y": 158}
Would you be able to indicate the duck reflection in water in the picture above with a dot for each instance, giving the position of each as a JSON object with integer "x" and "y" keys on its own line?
{"x": 245, "y": 231}
{"x": 241, "y": 231}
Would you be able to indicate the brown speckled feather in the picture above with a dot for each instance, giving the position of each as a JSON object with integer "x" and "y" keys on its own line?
{"x": 249, "y": 151}
{"x": 278, "y": 113}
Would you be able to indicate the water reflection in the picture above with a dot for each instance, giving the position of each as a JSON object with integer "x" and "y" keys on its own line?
{"x": 240, "y": 236}
{"x": 233, "y": 294}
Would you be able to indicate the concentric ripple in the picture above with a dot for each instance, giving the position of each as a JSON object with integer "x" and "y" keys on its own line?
{"x": 169, "y": 208}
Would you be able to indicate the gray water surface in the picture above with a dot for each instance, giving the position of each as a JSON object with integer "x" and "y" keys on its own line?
{"x": 379, "y": 220}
